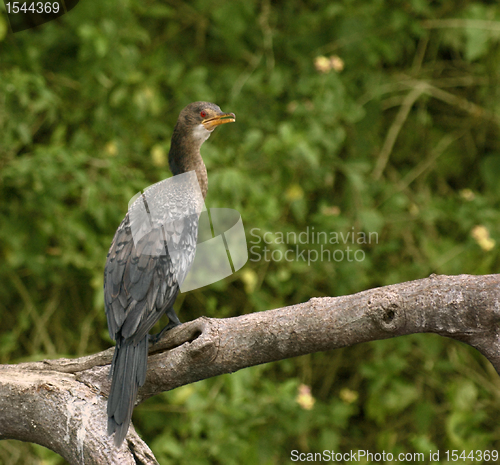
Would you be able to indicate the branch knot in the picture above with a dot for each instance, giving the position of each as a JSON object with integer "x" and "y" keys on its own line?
{"x": 386, "y": 311}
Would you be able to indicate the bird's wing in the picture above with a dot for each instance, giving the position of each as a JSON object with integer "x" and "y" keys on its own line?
{"x": 149, "y": 258}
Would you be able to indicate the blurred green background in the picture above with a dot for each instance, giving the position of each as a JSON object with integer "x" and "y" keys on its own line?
{"x": 374, "y": 116}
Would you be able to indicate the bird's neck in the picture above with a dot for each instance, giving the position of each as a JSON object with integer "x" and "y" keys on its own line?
{"x": 185, "y": 156}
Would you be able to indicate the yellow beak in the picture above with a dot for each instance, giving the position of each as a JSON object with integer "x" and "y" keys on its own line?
{"x": 211, "y": 123}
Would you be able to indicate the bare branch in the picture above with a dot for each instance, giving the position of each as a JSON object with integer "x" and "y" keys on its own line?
{"x": 61, "y": 404}
{"x": 395, "y": 129}
{"x": 462, "y": 23}
{"x": 417, "y": 89}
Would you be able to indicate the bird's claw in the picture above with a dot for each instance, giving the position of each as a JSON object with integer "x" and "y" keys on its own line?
{"x": 154, "y": 338}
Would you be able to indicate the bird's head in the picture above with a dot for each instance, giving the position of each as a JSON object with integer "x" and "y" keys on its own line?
{"x": 199, "y": 119}
{"x": 194, "y": 126}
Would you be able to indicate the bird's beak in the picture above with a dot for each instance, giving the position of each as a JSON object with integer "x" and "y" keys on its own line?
{"x": 211, "y": 123}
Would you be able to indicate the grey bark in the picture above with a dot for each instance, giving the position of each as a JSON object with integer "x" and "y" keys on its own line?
{"x": 61, "y": 404}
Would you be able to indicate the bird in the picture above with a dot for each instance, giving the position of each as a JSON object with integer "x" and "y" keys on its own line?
{"x": 150, "y": 255}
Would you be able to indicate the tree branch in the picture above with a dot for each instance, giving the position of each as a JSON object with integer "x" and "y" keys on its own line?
{"x": 61, "y": 404}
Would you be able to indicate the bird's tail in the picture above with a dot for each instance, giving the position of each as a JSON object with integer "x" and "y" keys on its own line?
{"x": 128, "y": 370}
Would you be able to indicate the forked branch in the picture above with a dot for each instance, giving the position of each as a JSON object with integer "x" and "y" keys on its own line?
{"x": 61, "y": 404}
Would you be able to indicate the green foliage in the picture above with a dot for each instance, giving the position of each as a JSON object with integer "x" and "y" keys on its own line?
{"x": 353, "y": 117}
{"x": 223, "y": 418}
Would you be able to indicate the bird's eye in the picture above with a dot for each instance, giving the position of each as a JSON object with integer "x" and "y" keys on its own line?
{"x": 203, "y": 113}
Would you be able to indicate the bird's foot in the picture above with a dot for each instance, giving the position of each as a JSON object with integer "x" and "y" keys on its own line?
{"x": 154, "y": 338}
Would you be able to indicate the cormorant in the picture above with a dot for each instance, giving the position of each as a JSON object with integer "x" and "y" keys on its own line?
{"x": 142, "y": 275}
